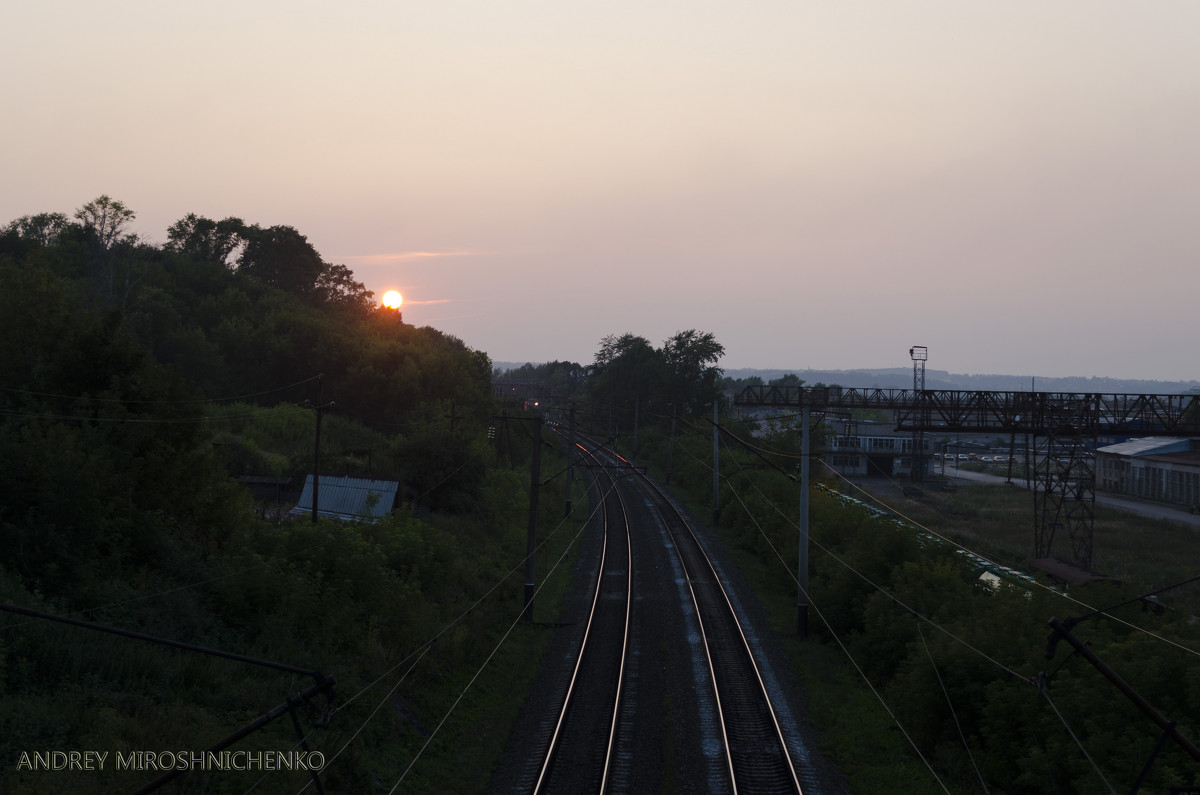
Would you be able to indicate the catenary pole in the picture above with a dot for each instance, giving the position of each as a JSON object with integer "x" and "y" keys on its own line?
{"x": 716, "y": 467}
{"x": 570, "y": 456}
{"x": 1062, "y": 629}
{"x": 802, "y": 563}
{"x": 531, "y": 539}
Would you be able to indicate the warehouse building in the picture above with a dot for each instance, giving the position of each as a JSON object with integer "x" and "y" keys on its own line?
{"x": 1162, "y": 469}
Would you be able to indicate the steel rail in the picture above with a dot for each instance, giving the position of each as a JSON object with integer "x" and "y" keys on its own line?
{"x": 568, "y": 700}
{"x": 653, "y": 489}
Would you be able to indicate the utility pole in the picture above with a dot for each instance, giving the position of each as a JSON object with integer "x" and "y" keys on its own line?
{"x": 671, "y": 446}
{"x": 320, "y": 409}
{"x": 1062, "y": 629}
{"x": 531, "y": 540}
{"x": 508, "y": 440}
{"x": 635, "y": 423}
{"x": 802, "y": 563}
{"x": 570, "y": 457}
{"x": 716, "y": 467}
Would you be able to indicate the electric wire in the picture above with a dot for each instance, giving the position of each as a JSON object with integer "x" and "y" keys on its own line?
{"x": 1035, "y": 582}
{"x": 862, "y": 674}
{"x": 225, "y": 576}
{"x": 1045, "y": 692}
{"x": 935, "y": 534}
{"x": 150, "y": 420}
{"x": 1040, "y": 686}
{"x": 1062, "y": 594}
{"x": 956, "y": 544}
{"x": 846, "y": 651}
{"x": 501, "y": 642}
{"x": 422, "y": 649}
{"x": 179, "y": 588}
{"x": 191, "y": 401}
{"x": 295, "y": 745}
{"x": 379, "y": 418}
{"x": 428, "y": 643}
{"x": 457, "y": 469}
{"x": 949, "y": 703}
{"x": 750, "y": 446}
{"x": 864, "y": 577}
{"x": 382, "y": 701}
{"x": 891, "y": 480}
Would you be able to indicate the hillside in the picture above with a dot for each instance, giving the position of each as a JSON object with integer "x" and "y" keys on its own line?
{"x": 902, "y": 378}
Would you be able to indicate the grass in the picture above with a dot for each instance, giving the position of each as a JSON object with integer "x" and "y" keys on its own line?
{"x": 996, "y": 520}
{"x": 474, "y": 737}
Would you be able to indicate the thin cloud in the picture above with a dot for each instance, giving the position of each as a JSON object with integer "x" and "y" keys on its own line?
{"x": 404, "y": 256}
{"x": 444, "y": 318}
{"x": 450, "y": 301}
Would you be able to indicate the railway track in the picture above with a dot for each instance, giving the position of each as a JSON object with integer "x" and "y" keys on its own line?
{"x": 754, "y": 745}
{"x": 659, "y": 612}
{"x": 580, "y": 754}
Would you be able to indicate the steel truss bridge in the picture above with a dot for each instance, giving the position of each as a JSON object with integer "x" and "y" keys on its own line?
{"x": 1063, "y": 427}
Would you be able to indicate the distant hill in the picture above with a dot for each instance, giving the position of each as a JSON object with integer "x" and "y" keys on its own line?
{"x": 902, "y": 378}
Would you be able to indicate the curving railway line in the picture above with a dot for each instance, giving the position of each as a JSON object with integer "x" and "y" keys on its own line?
{"x": 581, "y": 749}
{"x": 659, "y": 686}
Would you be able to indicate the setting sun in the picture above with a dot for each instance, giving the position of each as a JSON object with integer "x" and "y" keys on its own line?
{"x": 392, "y": 299}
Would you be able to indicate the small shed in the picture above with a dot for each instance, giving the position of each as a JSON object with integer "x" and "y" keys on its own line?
{"x": 1066, "y": 573}
{"x": 348, "y": 498}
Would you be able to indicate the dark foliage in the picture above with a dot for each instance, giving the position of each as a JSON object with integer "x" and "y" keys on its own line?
{"x": 135, "y": 382}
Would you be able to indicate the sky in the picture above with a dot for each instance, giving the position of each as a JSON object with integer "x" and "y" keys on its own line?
{"x": 1015, "y": 186}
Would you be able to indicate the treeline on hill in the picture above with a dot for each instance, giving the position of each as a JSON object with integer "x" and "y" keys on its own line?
{"x": 629, "y": 374}
{"x": 136, "y": 383}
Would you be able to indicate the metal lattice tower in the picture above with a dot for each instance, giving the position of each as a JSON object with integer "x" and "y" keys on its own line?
{"x": 1065, "y": 478}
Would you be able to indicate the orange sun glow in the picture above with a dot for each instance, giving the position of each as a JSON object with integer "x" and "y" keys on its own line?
{"x": 392, "y": 299}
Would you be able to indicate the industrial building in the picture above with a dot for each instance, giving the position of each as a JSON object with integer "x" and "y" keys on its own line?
{"x": 1163, "y": 469}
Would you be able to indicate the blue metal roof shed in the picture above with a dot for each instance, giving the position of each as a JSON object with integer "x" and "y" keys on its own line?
{"x": 1139, "y": 447}
{"x": 348, "y": 499}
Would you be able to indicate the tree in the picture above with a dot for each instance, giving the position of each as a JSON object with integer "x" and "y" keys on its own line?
{"x": 205, "y": 239}
{"x": 43, "y": 228}
{"x": 336, "y": 286}
{"x": 692, "y": 378}
{"x": 281, "y": 257}
{"x": 107, "y": 219}
{"x": 116, "y": 263}
{"x": 790, "y": 379}
{"x": 626, "y": 370}
{"x": 561, "y": 380}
